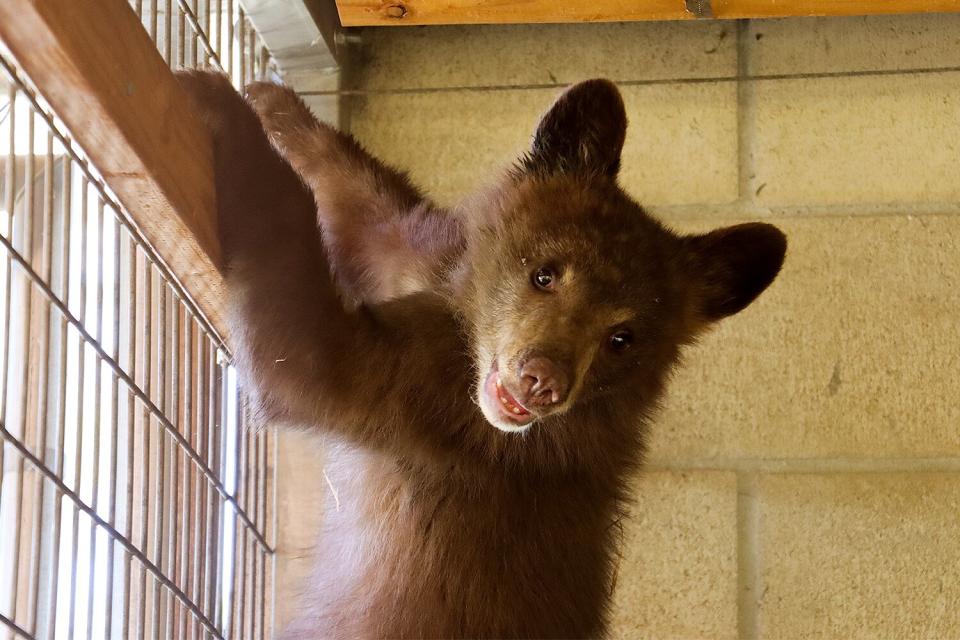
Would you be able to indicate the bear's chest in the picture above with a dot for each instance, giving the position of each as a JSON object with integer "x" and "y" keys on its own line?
{"x": 430, "y": 554}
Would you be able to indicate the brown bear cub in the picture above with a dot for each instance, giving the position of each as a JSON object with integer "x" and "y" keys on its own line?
{"x": 486, "y": 373}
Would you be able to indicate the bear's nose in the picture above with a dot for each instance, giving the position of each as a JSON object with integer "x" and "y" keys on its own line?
{"x": 543, "y": 381}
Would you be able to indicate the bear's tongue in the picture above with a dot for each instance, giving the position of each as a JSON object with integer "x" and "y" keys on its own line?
{"x": 508, "y": 404}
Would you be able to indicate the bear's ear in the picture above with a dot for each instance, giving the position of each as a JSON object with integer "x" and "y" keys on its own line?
{"x": 583, "y": 131}
{"x": 730, "y": 267}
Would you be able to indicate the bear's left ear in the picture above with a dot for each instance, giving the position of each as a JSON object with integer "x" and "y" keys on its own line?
{"x": 730, "y": 267}
{"x": 583, "y": 131}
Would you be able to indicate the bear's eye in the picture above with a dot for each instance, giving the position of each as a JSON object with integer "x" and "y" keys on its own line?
{"x": 543, "y": 278}
{"x": 620, "y": 340}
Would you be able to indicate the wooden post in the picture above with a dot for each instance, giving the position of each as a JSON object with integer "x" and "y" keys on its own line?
{"x": 101, "y": 73}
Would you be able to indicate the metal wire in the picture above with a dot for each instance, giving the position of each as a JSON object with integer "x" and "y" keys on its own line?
{"x": 133, "y": 501}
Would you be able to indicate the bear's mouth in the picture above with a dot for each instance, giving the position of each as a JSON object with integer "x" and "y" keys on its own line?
{"x": 504, "y": 403}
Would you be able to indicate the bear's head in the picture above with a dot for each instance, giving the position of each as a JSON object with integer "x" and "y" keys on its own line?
{"x": 575, "y": 294}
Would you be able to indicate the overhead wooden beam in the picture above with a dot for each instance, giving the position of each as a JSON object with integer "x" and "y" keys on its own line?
{"x": 355, "y": 13}
{"x": 99, "y": 70}
{"x": 787, "y": 8}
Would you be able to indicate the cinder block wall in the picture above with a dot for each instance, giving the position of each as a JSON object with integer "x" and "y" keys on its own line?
{"x": 804, "y": 478}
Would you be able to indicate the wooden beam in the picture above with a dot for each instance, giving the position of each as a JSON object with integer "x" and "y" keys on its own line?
{"x": 99, "y": 70}
{"x": 355, "y": 13}
{"x": 786, "y": 8}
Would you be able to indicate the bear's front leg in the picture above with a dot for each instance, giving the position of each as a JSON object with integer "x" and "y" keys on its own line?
{"x": 384, "y": 238}
{"x": 373, "y": 374}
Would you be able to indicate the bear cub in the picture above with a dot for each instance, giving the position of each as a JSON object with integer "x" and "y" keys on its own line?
{"x": 485, "y": 375}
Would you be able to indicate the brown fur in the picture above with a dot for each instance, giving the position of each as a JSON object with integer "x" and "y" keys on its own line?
{"x": 449, "y": 527}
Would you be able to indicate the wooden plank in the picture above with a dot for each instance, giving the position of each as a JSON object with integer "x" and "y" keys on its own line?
{"x": 355, "y": 13}
{"x": 784, "y": 8}
{"x": 104, "y": 78}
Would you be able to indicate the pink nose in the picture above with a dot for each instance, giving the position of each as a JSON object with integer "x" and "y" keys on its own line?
{"x": 543, "y": 382}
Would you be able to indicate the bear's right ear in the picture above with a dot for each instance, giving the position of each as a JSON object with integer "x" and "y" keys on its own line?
{"x": 584, "y": 131}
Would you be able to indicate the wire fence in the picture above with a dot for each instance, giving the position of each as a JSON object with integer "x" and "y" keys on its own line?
{"x": 206, "y": 33}
{"x": 135, "y": 499}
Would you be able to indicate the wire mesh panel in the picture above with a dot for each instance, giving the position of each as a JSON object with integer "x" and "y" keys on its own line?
{"x": 215, "y": 33}
{"x": 135, "y": 502}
